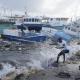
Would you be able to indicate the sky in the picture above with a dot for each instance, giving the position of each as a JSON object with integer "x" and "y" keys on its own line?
{"x": 59, "y": 8}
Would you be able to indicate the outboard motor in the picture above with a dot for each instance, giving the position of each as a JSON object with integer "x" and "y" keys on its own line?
{"x": 22, "y": 28}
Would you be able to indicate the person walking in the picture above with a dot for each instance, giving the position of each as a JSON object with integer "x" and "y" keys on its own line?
{"x": 63, "y": 46}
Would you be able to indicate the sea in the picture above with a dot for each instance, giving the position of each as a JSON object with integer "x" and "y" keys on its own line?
{"x": 37, "y": 56}
{"x": 10, "y": 26}
{"x": 5, "y": 26}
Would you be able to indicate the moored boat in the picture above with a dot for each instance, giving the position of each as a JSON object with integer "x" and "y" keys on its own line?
{"x": 73, "y": 28}
{"x": 32, "y": 34}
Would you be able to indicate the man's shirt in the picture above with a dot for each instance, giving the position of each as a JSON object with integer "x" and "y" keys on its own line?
{"x": 62, "y": 45}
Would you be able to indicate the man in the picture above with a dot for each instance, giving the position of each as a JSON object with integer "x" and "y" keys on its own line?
{"x": 63, "y": 46}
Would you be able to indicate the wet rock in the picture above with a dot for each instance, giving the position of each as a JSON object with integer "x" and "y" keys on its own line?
{"x": 78, "y": 43}
{"x": 77, "y": 78}
{"x": 78, "y": 54}
{"x": 7, "y": 46}
{"x": 54, "y": 64}
{"x": 79, "y": 67}
{"x": 72, "y": 58}
{"x": 63, "y": 75}
{"x": 49, "y": 63}
{"x": 20, "y": 77}
{"x": 1, "y": 66}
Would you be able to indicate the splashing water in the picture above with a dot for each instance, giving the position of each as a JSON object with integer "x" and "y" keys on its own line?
{"x": 45, "y": 54}
{"x": 40, "y": 57}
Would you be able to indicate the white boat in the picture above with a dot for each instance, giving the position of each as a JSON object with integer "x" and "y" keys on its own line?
{"x": 73, "y": 28}
{"x": 31, "y": 22}
{"x": 57, "y": 22}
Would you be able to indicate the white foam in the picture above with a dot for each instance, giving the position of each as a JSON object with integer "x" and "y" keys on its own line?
{"x": 48, "y": 54}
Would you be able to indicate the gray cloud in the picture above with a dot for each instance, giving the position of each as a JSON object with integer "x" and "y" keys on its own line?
{"x": 61, "y": 8}
{"x": 31, "y": 5}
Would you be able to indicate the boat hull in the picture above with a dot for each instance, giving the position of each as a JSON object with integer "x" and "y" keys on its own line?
{"x": 36, "y": 27}
{"x": 33, "y": 25}
{"x": 39, "y": 38}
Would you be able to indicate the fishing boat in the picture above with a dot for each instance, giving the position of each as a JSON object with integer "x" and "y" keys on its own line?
{"x": 57, "y": 23}
{"x": 28, "y": 30}
{"x": 27, "y": 37}
{"x": 31, "y": 23}
{"x": 73, "y": 28}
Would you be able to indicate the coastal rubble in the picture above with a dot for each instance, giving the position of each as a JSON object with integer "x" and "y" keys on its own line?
{"x": 32, "y": 61}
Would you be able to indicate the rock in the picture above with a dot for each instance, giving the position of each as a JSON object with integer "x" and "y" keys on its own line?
{"x": 79, "y": 67}
{"x": 51, "y": 63}
{"x": 78, "y": 53}
{"x": 54, "y": 64}
{"x": 20, "y": 77}
{"x": 7, "y": 46}
{"x": 72, "y": 58}
{"x": 1, "y": 66}
{"x": 78, "y": 43}
{"x": 77, "y": 78}
{"x": 63, "y": 75}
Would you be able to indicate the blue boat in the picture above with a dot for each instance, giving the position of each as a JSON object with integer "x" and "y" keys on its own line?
{"x": 28, "y": 37}
{"x": 34, "y": 27}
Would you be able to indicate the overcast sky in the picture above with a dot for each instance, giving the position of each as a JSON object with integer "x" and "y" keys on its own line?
{"x": 44, "y": 7}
